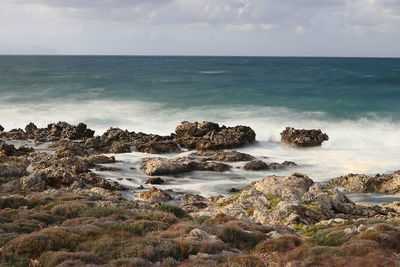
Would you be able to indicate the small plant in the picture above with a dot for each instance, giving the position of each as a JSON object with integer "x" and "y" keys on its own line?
{"x": 328, "y": 191}
{"x": 273, "y": 202}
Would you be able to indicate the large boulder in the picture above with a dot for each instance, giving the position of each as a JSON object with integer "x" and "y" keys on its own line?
{"x": 210, "y": 136}
{"x": 361, "y": 183}
{"x": 303, "y": 138}
{"x": 164, "y": 166}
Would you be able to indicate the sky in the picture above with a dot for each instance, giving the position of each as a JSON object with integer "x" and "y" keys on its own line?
{"x": 359, "y": 28}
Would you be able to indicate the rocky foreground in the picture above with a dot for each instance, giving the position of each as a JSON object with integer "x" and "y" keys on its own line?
{"x": 54, "y": 211}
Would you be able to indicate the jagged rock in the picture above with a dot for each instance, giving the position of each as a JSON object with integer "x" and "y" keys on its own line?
{"x": 360, "y": 183}
{"x": 154, "y": 195}
{"x": 163, "y": 166}
{"x": 34, "y": 182}
{"x": 101, "y": 159}
{"x": 115, "y": 140}
{"x": 1, "y": 128}
{"x": 155, "y": 180}
{"x": 288, "y": 200}
{"x": 11, "y": 151}
{"x": 68, "y": 148}
{"x": 303, "y": 138}
{"x": 210, "y": 136}
{"x": 53, "y": 132}
{"x": 229, "y": 156}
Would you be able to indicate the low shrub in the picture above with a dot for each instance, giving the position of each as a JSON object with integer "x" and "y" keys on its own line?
{"x": 33, "y": 245}
{"x": 14, "y": 202}
{"x": 69, "y": 209}
{"x": 54, "y": 258}
{"x": 178, "y": 212}
{"x": 281, "y": 244}
{"x": 98, "y": 212}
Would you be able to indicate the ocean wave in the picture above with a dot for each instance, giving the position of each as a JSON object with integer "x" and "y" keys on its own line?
{"x": 364, "y": 145}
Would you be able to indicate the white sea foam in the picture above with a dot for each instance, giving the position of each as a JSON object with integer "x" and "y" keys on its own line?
{"x": 355, "y": 146}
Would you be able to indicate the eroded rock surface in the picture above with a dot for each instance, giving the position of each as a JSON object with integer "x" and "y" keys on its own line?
{"x": 361, "y": 183}
{"x": 258, "y": 165}
{"x": 288, "y": 200}
{"x": 211, "y": 136}
{"x": 303, "y": 138}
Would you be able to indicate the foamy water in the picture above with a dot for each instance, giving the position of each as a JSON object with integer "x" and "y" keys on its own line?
{"x": 361, "y": 146}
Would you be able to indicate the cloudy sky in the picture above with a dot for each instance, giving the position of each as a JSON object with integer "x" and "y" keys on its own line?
{"x": 201, "y": 27}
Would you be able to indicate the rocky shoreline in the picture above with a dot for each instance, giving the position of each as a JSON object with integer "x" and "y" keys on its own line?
{"x": 55, "y": 211}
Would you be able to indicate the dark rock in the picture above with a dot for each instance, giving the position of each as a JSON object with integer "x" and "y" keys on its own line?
{"x": 303, "y": 138}
{"x": 140, "y": 187}
{"x": 256, "y": 165}
{"x": 155, "y": 180}
{"x": 1, "y": 128}
{"x": 233, "y": 190}
{"x": 210, "y": 136}
{"x": 230, "y": 156}
{"x": 283, "y": 165}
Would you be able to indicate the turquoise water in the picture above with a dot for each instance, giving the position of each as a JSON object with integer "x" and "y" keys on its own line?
{"x": 354, "y": 100}
{"x": 338, "y": 87}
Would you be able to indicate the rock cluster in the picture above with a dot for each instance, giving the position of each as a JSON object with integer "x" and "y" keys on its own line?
{"x": 303, "y": 138}
{"x": 360, "y": 183}
{"x": 164, "y": 166}
{"x": 115, "y": 140}
{"x": 289, "y": 200}
{"x": 211, "y": 136}
{"x": 53, "y": 132}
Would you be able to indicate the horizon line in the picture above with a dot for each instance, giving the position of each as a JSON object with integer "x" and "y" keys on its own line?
{"x": 146, "y": 55}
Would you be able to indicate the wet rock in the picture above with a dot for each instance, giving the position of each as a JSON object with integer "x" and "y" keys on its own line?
{"x": 163, "y": 166}
{"x": 101, "y": 159}
{"x": 210, "y": 136}
{"x": 154, "y": 195}
{"x": 1, "y": 128}
{"x": 155, "y": 180}
{"x": 360, "y": 183}
{"x": 256, "y": 165}
{"x": 230, "y": 156}
{"x": 154, "y": 144}
{"x": 283, "y": 165}
{"x": 31, "y": 128}
{"x": 107, "y": 169}
{"x": 303, "y": 138}
{"x": 233, "y": 190}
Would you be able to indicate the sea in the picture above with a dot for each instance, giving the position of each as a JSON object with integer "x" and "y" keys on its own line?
{"x": 356, "y": 101}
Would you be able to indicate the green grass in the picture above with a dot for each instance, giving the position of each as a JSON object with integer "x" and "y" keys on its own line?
{"x": 273, "y": 201}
